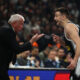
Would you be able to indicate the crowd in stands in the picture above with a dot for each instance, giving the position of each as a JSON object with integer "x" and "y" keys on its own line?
{"x": 39, "y": 18}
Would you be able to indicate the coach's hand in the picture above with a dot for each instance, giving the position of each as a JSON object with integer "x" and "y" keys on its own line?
{"x": 36, "y": 37}
{"x": 72, "y": 65}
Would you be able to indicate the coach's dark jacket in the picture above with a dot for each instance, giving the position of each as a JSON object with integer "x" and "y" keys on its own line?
{"x": 8, "y": 50}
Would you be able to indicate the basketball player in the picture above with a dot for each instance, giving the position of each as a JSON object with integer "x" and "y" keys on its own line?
{"x": 71, "y": 32}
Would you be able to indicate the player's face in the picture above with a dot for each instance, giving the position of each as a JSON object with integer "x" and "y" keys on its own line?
{"x": 58, "y": 17}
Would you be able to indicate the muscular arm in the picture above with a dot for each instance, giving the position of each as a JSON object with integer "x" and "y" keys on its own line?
{"x": 73, "y": 34}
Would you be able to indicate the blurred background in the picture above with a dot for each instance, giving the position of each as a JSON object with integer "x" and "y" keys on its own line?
{"x": 39, "y": 18}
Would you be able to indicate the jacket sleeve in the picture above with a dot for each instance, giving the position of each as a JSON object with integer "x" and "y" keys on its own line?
{"x": 10, "y": 40}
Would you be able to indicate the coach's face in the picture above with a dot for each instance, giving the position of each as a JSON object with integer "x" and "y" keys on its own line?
{"x": 58, "y": 18}
{"x": 18, "y": 25}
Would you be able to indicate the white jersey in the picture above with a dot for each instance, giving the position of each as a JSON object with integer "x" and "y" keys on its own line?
{"x": 77, "y": 70}
{"x": 77, "y": 27}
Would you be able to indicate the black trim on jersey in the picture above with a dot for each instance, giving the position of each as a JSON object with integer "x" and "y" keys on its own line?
{"x": 69, "y": 43}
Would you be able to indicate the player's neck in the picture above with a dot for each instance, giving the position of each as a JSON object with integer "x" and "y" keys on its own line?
{"x": 65, "y": 22}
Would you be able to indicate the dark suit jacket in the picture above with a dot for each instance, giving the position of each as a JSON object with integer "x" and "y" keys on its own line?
{"x": 50, "y": 64}
{"x": 8, "y": 50}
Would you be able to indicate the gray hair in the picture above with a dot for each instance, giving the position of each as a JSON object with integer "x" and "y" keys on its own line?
{"x": 15, "y": 17}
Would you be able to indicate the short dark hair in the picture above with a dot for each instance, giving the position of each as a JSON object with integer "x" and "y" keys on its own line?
{"x": 52, "y": 51}
{"x": 63, "y": 11}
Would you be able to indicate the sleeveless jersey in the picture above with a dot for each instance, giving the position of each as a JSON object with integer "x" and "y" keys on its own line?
{"x": 69, "y": 42}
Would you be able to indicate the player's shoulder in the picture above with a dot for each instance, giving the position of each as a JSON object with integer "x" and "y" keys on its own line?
{"x": 71, "y": 26}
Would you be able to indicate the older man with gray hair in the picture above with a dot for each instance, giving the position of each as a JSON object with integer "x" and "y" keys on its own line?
{"x": 9, "y": 46}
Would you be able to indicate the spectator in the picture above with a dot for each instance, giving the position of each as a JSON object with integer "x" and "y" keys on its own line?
{"x": 34, "y": 58}
{"x": 44, "y": 54}
{"x": 22, "y": 58}
{"x": 61, "y": 53}
{"x": 60, "y": 57}
{"x": 50, "y": 62}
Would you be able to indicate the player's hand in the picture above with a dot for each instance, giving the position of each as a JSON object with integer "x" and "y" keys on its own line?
{"x": 72, "y": 64}
{"x": 36, "y": 37}
{"x": 56, "y": 38}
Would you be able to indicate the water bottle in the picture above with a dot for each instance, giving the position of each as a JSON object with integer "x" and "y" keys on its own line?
{"x": 16, "y": 64}
{"x": 28, "y": 63}
{"x": 33, "y": 63}
{"x": 41, "y": 64}
{"x": 58, "y": 64}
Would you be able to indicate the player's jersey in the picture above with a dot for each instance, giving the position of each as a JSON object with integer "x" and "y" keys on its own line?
{"x": 76, "y": 72}
{"x": 69, "y": 42}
